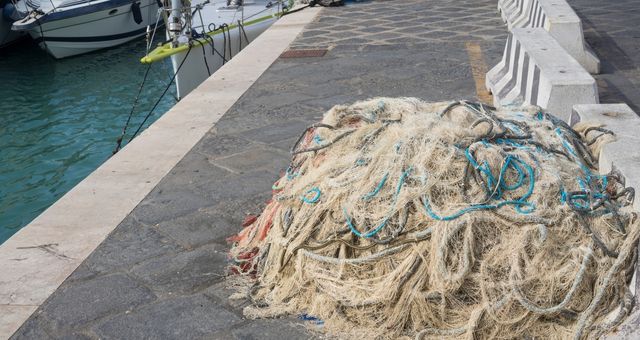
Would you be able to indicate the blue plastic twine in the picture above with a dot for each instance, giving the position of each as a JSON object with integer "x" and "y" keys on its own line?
{"x": 314, "y": 199}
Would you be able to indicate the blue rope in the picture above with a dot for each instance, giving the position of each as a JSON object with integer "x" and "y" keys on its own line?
{"x": 594, "y": 185}
{"x": 524, "y": 170}
{"x": 367, "y": 234}
{"x": 314, "y": 199}
{"x": 375, "y": 191}
{"x": 290, "y": 174}
{"x": 377, "y": 229}
{"x": 473, "y": 207}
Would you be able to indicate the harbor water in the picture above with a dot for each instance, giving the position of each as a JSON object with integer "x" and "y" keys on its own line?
{"x": 60, "y": 119}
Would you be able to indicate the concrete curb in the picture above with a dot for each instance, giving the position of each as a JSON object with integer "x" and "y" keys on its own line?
{"x": 559, "y": 19}
{"x": 536, "y": 70}
{"x": 37, "y": 259}
{"x": 622, "y": 155}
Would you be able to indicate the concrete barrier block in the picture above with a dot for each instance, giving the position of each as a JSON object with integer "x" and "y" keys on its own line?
{"x": 623, "y": 155}
{"x": 520, "y": 11}
{"x": 536, "y": 70}
{"x": 559, "y": 19}
{"x": 509, "y": 8}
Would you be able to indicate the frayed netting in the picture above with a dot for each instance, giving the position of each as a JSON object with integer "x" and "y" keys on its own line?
{"x": 401, "y": 218}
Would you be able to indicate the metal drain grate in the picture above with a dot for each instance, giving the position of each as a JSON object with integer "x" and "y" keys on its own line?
{"x": 304, "y": 53}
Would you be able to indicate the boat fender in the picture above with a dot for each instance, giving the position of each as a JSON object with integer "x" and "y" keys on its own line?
{"x": 11, "y": 13}
{"x": 137, "y": 14}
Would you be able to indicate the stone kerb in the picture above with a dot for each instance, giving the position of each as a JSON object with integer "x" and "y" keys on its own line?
{"x": 559, "y": 19}
{"x": 536, "y": 70}
{"x": 622, "y": 155}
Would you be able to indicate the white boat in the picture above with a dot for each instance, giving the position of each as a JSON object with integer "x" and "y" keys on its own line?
{"x": 204, "y": 35}
{"x": 9, "y": 14}
{"x": 66, "y": 28}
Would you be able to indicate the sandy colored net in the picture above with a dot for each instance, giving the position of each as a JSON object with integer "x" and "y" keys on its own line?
{"x": 401, "y": 218}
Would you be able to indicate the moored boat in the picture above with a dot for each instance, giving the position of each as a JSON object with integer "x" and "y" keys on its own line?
{"x": 66, "y": 28}
{"x": 203, "y": 35}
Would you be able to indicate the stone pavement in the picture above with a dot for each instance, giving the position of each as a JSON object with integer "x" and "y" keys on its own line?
{"x": 160, "y": 274}
{"x": 612, "y": 29}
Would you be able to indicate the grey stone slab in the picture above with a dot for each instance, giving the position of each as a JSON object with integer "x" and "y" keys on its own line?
{"x": 258, "y": 157}
{"x": 246, "y": 185}
{"x": 195, "y": 170}
{"x": 73, "y": 306}
{"x": 277, "y": 132}
{"x": 220, "y": 293}
{"x": 213, "y": 224}
{"x": 168, "y": 203}
{"x": 219, "y": 145}
{"x": 36, "y": 327}
{"x": 184, "y": 273}
{"x": 83, "y": 272}
{"x": 195, "y": 229}
{"x": 130, "y": 243}
{"x": 179, "y": 318}
{"x": 273, "y": 329}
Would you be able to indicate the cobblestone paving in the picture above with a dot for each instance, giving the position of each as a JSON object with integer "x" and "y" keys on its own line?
{"x": 612, "y": 29}
{"x": 407, "y": 22}
{"x": 160, "y": 274}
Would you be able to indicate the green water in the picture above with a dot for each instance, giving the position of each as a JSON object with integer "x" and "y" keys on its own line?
{"x": 59, "y": 120}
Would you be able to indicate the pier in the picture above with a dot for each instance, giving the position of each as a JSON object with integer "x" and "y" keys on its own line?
{"x": 145, "y": 255}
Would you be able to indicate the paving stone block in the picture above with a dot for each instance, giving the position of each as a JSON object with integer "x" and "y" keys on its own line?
{"x": 213, "y": 224}
{"x": 217, "y": 145}
{"x": 130, "y": 243}
{"x": 273, "y": 329}
{"x": 186, "y": 272}
{"x": 190, "y": 317}
{"x": 74, "y": 305}
{"x": 259, "y": 157}
{"x": 277, "y": 132}
{"x": 36, "y": 327}
{"x": 196, "y": 169}
{"x": 165, "y": 203}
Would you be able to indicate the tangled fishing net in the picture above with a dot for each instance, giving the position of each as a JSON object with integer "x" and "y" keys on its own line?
{"x": 401, "y": 218}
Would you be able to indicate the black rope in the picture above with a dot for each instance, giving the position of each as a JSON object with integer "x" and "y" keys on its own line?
{"x": 161, "y": 96}
{"x": 133, "y": 108}
{"x": 241, "y": 33}
{"x": 204, "y": 57}
{"x": 224, "y": 44}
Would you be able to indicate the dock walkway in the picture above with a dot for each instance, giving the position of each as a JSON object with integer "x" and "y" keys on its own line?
{"x": 160, "y": 274}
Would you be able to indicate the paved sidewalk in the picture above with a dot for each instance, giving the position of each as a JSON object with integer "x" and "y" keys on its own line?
{"x": 612, "y": 29}
{"x": 160, "y": 274}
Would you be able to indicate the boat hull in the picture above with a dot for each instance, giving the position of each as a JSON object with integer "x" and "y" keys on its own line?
{"x": 87, "y": 32}
{"x": 193, "y": 71}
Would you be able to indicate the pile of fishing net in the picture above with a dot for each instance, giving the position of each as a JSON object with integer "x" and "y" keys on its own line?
{"x": 399, "y": 217}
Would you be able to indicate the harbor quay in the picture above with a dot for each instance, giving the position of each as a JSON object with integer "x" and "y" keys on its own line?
{"x": 147, "y": 254}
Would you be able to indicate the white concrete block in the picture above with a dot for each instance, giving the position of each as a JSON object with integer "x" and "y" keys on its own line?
{"x": 623, "y": 155}
{"x": 536, "y": 70}
{"x": 559, "y": 19}
{"x": 508, "y": 8}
